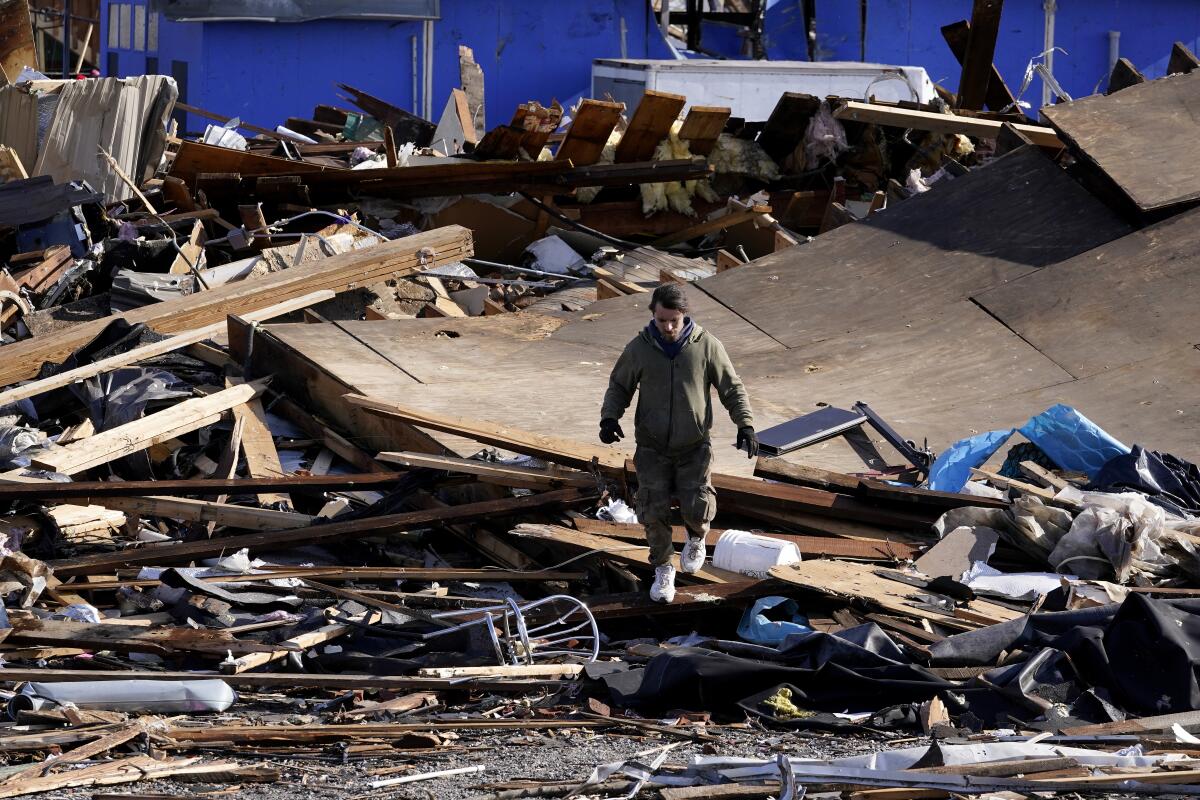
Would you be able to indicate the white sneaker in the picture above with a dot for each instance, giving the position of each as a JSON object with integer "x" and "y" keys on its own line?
{"x": 663, "y": 590}
{"x": 694, "y": 553}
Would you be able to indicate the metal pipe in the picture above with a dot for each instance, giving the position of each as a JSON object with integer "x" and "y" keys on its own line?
{"x": 428, "y": 92}
{"x": 1050, "y": 7}
{"x": 1114, "y": 49}
{"x": 416, "y": 71}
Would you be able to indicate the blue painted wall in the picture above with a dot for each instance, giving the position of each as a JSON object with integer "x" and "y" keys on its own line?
{"x": 528, "y": 49}
{"x": 908, "y": 32}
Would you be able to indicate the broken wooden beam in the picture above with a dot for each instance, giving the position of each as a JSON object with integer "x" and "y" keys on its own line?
{"x": 176, "y": 552}
{"x": 941, "y": 123}
{"x": 337, "y": 273}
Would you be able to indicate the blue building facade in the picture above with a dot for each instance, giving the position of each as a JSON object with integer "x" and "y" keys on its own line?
{"x": 264, "y": 72}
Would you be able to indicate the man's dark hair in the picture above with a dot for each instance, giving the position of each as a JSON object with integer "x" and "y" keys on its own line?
{"x": 669, "y": 295}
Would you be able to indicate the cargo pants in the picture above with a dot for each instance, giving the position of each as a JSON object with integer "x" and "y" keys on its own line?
{"x": 685, "y": 476}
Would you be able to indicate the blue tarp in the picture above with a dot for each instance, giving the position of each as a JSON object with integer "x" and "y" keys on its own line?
{"x": 756, "y": 627}
{"x": 1072, "y": 440}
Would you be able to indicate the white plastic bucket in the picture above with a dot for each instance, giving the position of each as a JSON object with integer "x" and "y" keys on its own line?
{"x": 752, "y": 555}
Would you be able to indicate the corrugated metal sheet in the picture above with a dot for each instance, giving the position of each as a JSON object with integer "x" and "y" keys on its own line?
{"x": 126, "y": 116}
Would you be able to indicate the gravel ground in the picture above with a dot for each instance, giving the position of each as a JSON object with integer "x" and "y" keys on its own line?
{"x": 507, "y": 756}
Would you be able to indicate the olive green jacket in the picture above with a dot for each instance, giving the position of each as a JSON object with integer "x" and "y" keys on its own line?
{"x": 674, "y": 410}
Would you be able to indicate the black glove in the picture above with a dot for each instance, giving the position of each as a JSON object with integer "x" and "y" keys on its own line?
{"x": 748, "y": 439}
{"x": 610, "y": 431}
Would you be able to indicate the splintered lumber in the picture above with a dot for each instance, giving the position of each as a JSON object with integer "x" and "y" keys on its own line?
{"x": 850, "y": 581}
{"x": 292, "y": 734}
{"x": 614, "y": 549}
{"x": 140, "y": 434}
{"x": 108, "y": 773}
{"x": 702, "y": 127}
{"x": 802, "y": 475}
{"x": 787, "y": 124}
{"x": 127, "y": 638}
{"x": 489, "y": 472}
{"x": 41, "y": 276}
{"x": 258, "y": 446}
{"x": 300, "y": 642}
{"x": 941, "y": 123}
{"x": 809, "y": 546}
{"x": 336, "y": 273}
{"x": 506, "y": 671}
{"x": 255, "y": 519}
{"x": 747, "y": 494}
{"x": 593, "y": 123}
{"x": 652, "y": 121}
{"x": 169, "y": 345}
{"x": 311, "y": 484}
{"x": 176, "y": 552}
{"x": 980, "y": 49}
{"x": 417, "y": 574}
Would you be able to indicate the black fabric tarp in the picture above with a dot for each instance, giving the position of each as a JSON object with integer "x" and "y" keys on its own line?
{"x": 1165, "y": 479}
{"x": 1144, "y": 652}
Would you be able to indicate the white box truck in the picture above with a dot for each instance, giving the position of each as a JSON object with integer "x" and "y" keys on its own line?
{"x": 751, "y": 88}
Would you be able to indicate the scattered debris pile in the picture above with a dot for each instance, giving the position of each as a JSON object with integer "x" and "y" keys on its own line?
{"x": 318, "y": 490}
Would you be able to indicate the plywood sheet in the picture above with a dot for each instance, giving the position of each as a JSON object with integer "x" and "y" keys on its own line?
{"x": 612, "y": 323}
{"x": 1129, "y": 300}
{"x": 906, "y": 263}
{"x": 1142, "y": 137}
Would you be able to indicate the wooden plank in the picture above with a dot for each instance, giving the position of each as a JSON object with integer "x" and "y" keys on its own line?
{"x": 252, "y": 679}
{"x": 651, "y": 122}
{"x": 258, "y": 446}
{"x": 1139, "y": 139}
{"x": 256, "y": 519}
{"x": 809, "y": 546}
{"x": 54, "y": 491}
{"x": 176, "y": 552}
{"x": 787, "y": 124}
{"x": 776, "y": 469}
{"x": 977, "y": 60}
{"x": 190, "y": 251}
{"x": 997, "y": 96}
{"x": 42, "y": 276}
{"x": 715, "y": 223}
{"x": 615, "y": 549}
{"x": 507, "y": 671}
{"x": 337, "y": 273}
{"x": 169, "y": 344}
{"x": 11, "y": 168}
{"x": 301, "y": 642}
{"x": 941, "y": 123}
{"x": 702, "y": 127}
{"x": 502, "y": 474}
{"x": 138, "y": 435}
{"x": 589, "y": 132}
{"x": 850, "y": 581}
{"x": 127, "y": 638}
{"x": 123, "y": 770}
{"x": 1188, "y": 720}
{"x": 1124, "y": 74}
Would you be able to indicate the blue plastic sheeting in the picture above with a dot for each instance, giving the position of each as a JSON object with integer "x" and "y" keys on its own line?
{"x": 952, "y": 468}
{"x": 1072, "y": 440}
{"x": 755, "y": 627}
{"x": 1069, "y": 438}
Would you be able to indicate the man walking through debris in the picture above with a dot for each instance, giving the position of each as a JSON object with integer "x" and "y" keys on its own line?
{"x": 673, "y": 362}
